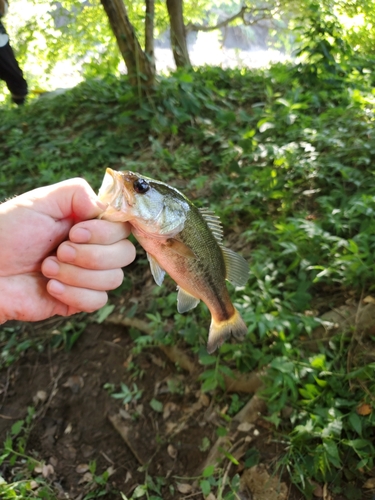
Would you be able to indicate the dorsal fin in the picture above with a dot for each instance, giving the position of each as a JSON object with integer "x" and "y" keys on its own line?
{"x": 213, "y": 222}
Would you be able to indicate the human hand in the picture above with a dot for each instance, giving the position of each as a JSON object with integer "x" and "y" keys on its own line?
{"x": 55, "y": 257}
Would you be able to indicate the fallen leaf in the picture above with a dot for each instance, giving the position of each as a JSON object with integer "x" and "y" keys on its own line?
{"x": 68, "y": 429}
{"x": 262, "y": 485}
{"x": 204, "y": 399}
{"x": 245, "y": 427}
{"x": 318, "y": 491}
{"x": 157, "y": 361}
{"x": 75, "y": 383}
{"x": 364, "y": 409}
{"x": 40, "y": 397}
{"x": 168, "y": 409}
{"x": 47, "y": 470}
{"x": 370, "y": 483}
{"x": 110, "y": 471}
{"x": 369, "y": 299}
{"x": 86, "y": 478}
{"x": 172, "y": 452}
{"x": 125, "y": 414}
{"x": 82, "y": 468}
{"x": 184, "y": 488}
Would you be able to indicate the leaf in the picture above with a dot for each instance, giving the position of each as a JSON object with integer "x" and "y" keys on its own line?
{"x": 356, "y": 422}
{"x": 206, "y": 359}
{"x": 156, "y": 405}
{"x": 205, "y": 487}
{"x": 104, "y": 312}
{"x": 209, "y": 385}
{"x": 370, "y": 483}
{"x": 16, "y": 427}
{"x": 266, "y": 126}
{"x": 140, "y": 491}
{"x": 283, "y": 365}
{"x": 364, "y": 409}
{"x": 184, "y": 488}
{"x": 208, "y": 471}
{"x": 332, "y": 452}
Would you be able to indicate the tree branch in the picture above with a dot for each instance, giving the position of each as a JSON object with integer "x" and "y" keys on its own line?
{"x": 241, "y": 14}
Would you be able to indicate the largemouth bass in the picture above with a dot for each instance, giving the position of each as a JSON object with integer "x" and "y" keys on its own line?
{"x": 182, "y": 240}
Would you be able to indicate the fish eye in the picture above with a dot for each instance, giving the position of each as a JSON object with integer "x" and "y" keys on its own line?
{"x": 141, "y": 186}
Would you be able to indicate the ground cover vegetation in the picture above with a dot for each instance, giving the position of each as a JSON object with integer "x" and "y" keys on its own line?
{"x": 284, "y": 156}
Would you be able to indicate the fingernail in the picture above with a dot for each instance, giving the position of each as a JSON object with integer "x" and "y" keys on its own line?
{"x": 66, "y": 253}
{"x": 80, "y": 234}
{"x": 50, "y": 267}
{"x": 56, "y": 287}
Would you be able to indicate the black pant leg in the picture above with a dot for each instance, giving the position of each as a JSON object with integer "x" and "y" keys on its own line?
{"x": 12, "y": 74}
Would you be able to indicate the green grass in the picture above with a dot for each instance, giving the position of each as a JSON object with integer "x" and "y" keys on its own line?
{"x": 285, "y": 157}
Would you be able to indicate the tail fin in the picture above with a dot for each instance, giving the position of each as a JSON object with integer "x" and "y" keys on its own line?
{"x": 220, "y": 331}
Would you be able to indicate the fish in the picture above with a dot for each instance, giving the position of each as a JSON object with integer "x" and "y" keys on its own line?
{"x": 182, "y": 240}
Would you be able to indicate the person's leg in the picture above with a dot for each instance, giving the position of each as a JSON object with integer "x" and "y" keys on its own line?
{"x": 12, "y": 74}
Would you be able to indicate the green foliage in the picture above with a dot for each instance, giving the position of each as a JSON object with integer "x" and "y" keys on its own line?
{"x": 19, "y": 483}
{"x": 128, "y": 395}
{"x": 285, "y": 157}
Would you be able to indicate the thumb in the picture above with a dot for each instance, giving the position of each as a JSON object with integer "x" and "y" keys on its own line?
{"x": 73, "y": 198}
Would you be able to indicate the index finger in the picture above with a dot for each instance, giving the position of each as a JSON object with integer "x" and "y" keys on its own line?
{"x": 98, "y": 231}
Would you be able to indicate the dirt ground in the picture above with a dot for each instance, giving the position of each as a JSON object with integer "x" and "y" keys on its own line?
{"x": 77, "y": 421}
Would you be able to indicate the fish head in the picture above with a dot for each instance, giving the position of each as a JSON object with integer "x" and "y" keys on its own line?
{"x": 151, "y": 206}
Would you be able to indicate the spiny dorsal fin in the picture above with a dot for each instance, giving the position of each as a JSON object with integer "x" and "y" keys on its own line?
{"x": 236, "y": 266}
{"x": 213, "y": 222}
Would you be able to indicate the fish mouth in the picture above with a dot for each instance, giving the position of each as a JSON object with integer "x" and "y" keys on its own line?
{"x": 116, "y": 186}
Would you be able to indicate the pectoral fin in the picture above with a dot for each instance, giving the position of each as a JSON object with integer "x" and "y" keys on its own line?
{"x": 180, "y": 248}
{"x": 237, "y": 269}
{"x": 157, "y": 272}
{"x": 185, "y": 301}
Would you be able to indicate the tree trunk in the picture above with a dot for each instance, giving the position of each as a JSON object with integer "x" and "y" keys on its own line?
{"x": 149, "y": 32}
{"x": 178, "y": 34}
{"x": 140, "y": 71}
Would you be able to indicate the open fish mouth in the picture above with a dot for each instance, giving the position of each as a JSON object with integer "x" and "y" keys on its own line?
{"x": 116, "y": 187}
